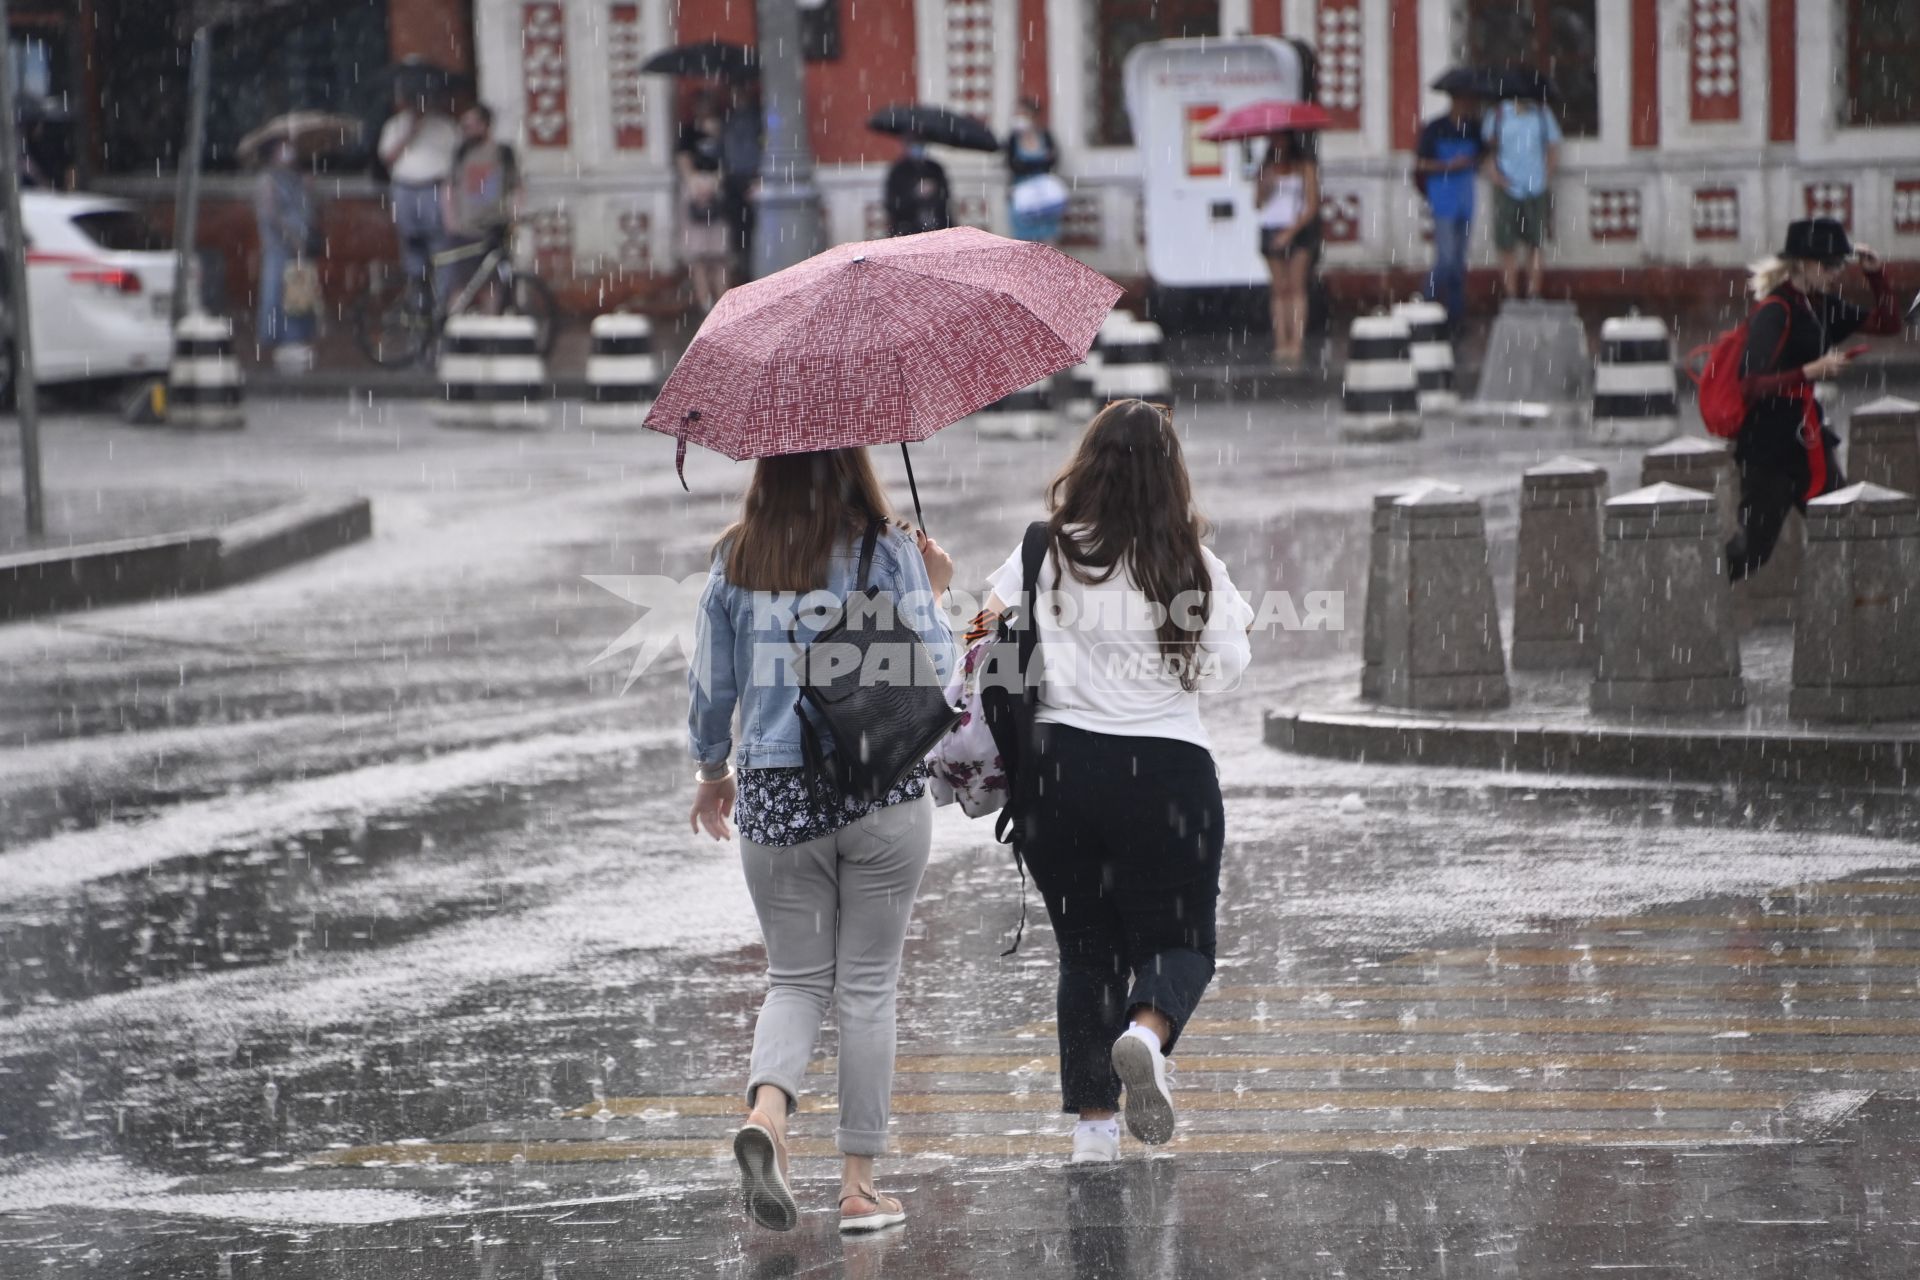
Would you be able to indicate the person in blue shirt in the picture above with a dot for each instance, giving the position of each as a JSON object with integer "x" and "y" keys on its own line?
{"x": 1523, "y": 144}
{"x": 1449, "y": 153}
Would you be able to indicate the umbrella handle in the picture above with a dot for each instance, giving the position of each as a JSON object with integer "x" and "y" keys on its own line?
{"x": 913, "y": 488}
{"x": 680, "y": 448}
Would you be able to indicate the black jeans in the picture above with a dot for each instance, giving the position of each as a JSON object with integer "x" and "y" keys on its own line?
{"x": 1768, "y": 491}
{"x": 1124, "y": 841}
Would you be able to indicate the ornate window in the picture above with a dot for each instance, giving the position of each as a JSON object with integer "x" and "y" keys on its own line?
{"x": 1118, "y": 26}
{"x": 1556, "y": 36}
{"x": 1882, "y": 63}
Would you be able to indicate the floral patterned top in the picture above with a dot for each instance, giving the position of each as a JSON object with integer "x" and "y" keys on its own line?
{"x": 777, "y": 807}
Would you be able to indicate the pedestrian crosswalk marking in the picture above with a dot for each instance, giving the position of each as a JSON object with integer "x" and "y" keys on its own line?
{"x": 1733, "y": 1060}
{"x": 1797, "y": 956}
{"x": 1032, "y": 1146}
{"x": 1694, "y": 991}
{"x": 1248, "y": 1100}
{"x": 1557, "y": 1025}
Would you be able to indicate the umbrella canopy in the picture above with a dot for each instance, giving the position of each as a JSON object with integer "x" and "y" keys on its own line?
{"x": 1259, "y": 119}
{"x": 312, "y": 133}
{"x": 934, "y": 124}
{"x": 711, "y": 58}
{"x": 1465, "y": 82}
{"x": 1495, "y": 82}
{"x": 880, "y": 342}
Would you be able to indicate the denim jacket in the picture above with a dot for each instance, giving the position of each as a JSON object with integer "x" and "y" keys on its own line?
{"x": 744, "y": 656}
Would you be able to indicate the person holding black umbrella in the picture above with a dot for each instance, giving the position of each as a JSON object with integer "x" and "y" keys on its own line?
{"x": 1523, "y": 153}
{"x": 1449, "y": 151}
{"x": 705, "y": 227}
{"x": 918, "y": 196}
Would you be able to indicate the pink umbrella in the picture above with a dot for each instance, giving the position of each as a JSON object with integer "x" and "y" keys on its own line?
{"x": 1259, "y": 119}
{"x": 881, "y": 342}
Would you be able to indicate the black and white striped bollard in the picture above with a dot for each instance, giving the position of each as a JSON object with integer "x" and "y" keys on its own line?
{"x": 204, "y": 386}
{"x": 623, "y": 373}
{"x": 492, "y": 373}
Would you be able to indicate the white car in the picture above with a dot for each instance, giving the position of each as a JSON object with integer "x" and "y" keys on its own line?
{"x": 100, "y": 281}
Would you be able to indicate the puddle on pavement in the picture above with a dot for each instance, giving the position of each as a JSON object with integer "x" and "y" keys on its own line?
{"x": 242, "y": 907}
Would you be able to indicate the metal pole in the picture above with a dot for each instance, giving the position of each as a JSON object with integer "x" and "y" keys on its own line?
{"x": 186, "y": 206}
{"x": 26, "y": 392}
{"x": 788, "y": 227}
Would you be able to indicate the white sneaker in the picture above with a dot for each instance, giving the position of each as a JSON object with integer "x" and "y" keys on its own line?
{"x": 1143, "y": 1070}
{"x": 1095, "y": 1144}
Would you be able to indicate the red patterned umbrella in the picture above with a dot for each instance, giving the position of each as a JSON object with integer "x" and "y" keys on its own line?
{"x": 1262, "y": 118}
{"x": 881, "y": 342}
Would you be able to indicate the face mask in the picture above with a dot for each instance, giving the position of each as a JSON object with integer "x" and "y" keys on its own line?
{"x": 916, "y": 151}
{"x": 1022, "y": 123}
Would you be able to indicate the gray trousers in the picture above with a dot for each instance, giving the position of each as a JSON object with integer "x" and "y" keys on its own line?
{"x": 834, "y": 913}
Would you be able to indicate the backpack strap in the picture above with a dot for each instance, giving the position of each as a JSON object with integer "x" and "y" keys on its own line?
{"x": 1009, "y": 826}
{"x": 1033, "y": 551}
{"x": 865, "y": 574}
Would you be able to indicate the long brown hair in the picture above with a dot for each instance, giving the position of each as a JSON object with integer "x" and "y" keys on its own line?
{"x": 1126, "y": 489}
{"x": 798, "y": 509}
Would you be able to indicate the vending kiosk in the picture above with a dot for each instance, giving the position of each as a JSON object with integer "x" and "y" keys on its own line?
{"x": 1202, "y": 228}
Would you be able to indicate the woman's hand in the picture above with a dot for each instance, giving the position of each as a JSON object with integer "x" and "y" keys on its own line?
{"x": 1827, "y": 366}
{"x": 939, "y": 563}
{"x": 712, "y": 806}
{"x": 1869, "y": 260}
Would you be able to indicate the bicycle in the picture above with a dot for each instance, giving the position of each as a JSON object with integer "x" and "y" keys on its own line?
{"x": 399, "y": 321}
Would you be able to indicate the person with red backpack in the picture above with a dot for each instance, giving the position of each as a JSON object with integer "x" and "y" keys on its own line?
{"x": 1783, "y": 448}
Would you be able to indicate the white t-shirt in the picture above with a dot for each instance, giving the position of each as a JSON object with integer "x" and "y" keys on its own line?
{"x": 1100, "y": 660}
{"x": 1284, "y": 202}
{"x": 428, "y": 158}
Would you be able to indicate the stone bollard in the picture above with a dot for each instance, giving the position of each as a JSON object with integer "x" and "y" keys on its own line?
{"x": 1027, "y": 414}
{"x": 1432, "y": 353}
{"x": 623, "y": 373}
{"x": 1856, "y": 636}
{"x": 1667, "y": 642}
{"x": 1635, "y": 399}
{"x": 1440, "y": 642}
{"x": 1380, "y": 394}
{"x": 1556, "y": 571}
{"x": 492, "y": 373}
{"x": 1883, "y": 444}
{"x": 1133, "y": 360}
{"x": 204, "y": 384}
{"x": 1695, "y": 462}
{"x": 1373, "y": 627}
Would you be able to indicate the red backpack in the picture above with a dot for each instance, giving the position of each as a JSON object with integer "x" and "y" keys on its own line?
{"x": 1723, "y": 406}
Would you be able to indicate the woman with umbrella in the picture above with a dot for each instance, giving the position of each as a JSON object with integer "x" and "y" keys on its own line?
{"x": 286, "y": 218}
{"x": 1287, "y": 192}
{"x": 1287, "y": 199}
{"x": 882, "y": 342}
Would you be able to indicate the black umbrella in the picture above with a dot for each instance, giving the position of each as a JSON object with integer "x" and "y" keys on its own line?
{"x": 1495, "y": 82}
{"x": 710, "y": 58}
{"x": 1464, "y": 82}
{"x": 934, "y": 124}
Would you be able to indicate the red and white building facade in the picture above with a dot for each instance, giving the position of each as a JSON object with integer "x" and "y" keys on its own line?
{"x": 1709, "y": 124}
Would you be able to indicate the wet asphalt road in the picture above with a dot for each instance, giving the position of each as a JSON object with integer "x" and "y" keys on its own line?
{"x": 348, "y": 926}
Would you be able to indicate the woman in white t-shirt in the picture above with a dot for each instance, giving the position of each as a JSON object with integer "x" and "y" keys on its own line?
{"x": 1124, "y": 823}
